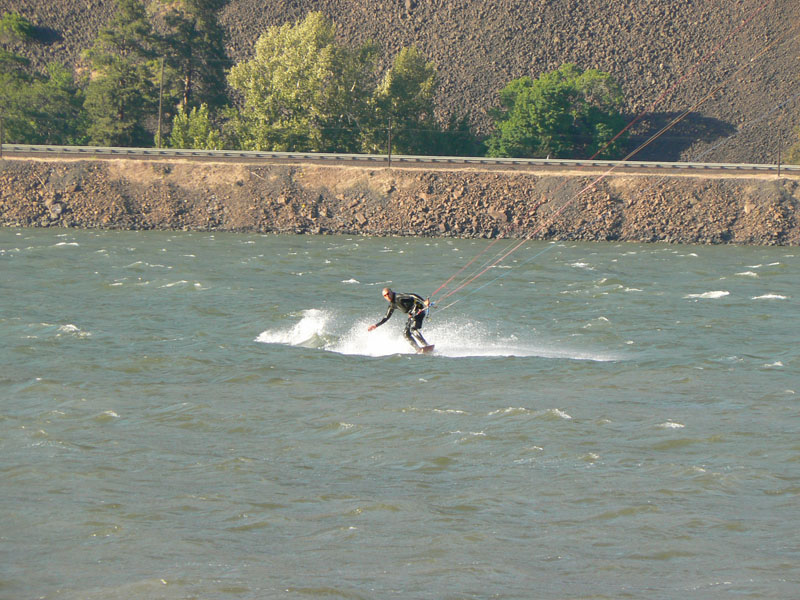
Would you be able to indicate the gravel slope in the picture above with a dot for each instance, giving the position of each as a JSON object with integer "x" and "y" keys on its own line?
{"x": 650, "y": 46}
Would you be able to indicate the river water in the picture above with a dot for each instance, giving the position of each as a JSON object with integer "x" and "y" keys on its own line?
{"x": 195, "y": 415}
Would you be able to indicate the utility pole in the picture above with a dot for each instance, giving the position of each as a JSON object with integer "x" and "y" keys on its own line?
{"x": 160, "y": 94}
{"x": 390, "y": 143}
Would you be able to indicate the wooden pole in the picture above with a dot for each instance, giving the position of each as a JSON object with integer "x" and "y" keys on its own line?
{"x": 390, "y": 143}
{"x": 160, "y": 95}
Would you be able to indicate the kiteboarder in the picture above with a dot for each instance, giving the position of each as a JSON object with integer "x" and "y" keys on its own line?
{"x": 416, "y": 307}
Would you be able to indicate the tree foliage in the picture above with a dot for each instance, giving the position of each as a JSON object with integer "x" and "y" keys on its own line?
{"x": 15, "y": 28}
{"x": 567, "y": 113}
{"x": 793, "y": 154}
{"x": 194, "y": 130}
{"x": 404, "y": 101}
{"x": 194, "y": 49}
{"x": 40, "y": 108}
{"x": 122, "y": 93}
{"x": 303, "y": 91}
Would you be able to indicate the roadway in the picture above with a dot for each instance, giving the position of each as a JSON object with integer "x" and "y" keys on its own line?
{"x": 399, "y": 161}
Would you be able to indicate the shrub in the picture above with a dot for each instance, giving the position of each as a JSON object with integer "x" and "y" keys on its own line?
{"x": 15, "y": 28}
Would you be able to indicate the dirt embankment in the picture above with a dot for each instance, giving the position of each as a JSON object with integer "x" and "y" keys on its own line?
{"x": 129, "y": 194}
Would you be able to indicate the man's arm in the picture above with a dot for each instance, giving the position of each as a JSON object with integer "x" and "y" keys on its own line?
{"x": 384, "y": 319}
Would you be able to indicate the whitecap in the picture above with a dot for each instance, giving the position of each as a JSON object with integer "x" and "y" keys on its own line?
{"x": 709, "y": 295}
{"x": 769, "y": 297}
{"x": 311, "y": 327}
{"x": 67, "y": 244}
{"x": 748, "y": 274}
{"x": 351, "y": 280}
{"x": 71, "y": 329}
{"x": 326, "y": 331}
{"x": 511, "y": 410}
{"x": 557, "y": 412}
{"x": 671, "y": 425}
{"x": 582, "y": 265}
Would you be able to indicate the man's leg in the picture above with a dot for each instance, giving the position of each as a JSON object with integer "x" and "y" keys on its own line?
{"x": 409, "y": 331}
{"x": 416, "y": 325}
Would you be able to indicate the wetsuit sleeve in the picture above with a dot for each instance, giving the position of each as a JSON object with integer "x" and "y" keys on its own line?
{"x": 386, "y": 318}
{"x": 419, "y": 305}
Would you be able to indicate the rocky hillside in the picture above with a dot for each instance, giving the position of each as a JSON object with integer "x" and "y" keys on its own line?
{"x": 686, "y": 47}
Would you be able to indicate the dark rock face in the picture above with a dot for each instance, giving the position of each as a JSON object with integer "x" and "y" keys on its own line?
{"x": 667, "y": 54}
{"x": 128, "y": 194}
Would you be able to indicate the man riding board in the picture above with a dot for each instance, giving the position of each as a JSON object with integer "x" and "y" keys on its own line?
{"x": 416, "y": 307}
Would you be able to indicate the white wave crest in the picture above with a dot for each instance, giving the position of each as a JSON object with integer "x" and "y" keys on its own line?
{"x": 73, "y": 330}
{"x": 769, "y": 297}
{"x": 709, "y": 295}
{"x": 332, "y": 332}
{"x": 312, "y": 326}
{"x": 671, "y": 425}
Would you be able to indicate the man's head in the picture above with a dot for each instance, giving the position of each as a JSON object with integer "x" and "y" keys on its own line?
{"x": 388, "y": 294}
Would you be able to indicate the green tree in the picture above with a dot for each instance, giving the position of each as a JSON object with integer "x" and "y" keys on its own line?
{"x": 565, "y": 113}
{"x": 404, "y": 101}
{"x": 303, "y": 91}
{"x": 793, "y": 154}
{"x": 456, "y": 138}
{"x": 194, "y": 130}
{"x": 15, "y": 28}
{"x": 122, "y": 94}
{"x": 194, "y": 49}
{"x": 40, "y": 108}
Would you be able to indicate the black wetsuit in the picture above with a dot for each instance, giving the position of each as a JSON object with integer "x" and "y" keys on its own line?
{"x": 414, "y": 306}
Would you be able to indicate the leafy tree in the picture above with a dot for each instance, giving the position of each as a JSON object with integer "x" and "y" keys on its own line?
{"x": 565, "y": 113}
{"x": 15, "y": 28}
{"x": 404, "y": 101}
{"x": 194, "y": 48}
{"x": 456, "y": 138}
{"x": 121, "y": 93}
{"x": 793, "y": 155}
{"x": 40, "y": 108}
{"x": 302, "y": 90}
{"x": 194, "y": 130}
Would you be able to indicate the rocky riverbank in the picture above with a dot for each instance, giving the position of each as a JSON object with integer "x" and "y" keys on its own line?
{"x": 130, "y": 194}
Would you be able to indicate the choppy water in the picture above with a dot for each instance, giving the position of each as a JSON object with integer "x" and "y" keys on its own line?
{"x": 205, "y": 416}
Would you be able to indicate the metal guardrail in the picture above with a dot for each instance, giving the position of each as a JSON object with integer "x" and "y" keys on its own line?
{"x": 99, "y": 152}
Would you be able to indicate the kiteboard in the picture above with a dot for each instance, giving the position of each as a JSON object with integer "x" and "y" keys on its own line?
{"x": 425, "y": 349}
